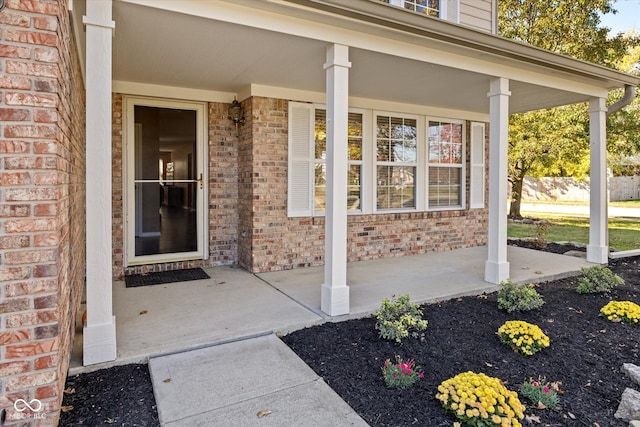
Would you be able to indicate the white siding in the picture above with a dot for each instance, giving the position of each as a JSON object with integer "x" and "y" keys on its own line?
{"x": 477, "y": 14}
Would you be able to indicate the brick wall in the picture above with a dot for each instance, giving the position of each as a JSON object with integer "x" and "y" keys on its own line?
{"x": 42, "y": 226}
{"x": 275, "y": 242}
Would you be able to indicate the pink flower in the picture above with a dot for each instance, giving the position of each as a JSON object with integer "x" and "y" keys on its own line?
{"x": 421, "y": 374}
{"x": 546, "y": 389}
{"x": 534, "y": 383}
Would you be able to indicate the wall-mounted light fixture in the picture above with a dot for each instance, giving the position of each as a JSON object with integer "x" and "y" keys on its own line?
{"x": 236, "y": 113}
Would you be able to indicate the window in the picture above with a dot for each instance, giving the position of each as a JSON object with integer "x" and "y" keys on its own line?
{"x": 446, "y": 149}
{"x": 396, "y": 162}
{"x": 354, "y": 179}
{"x": 428, "y": 7}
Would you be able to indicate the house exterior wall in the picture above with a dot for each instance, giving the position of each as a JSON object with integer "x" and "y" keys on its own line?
{"x": 222, "y": 190}
{"x": 478, "y": 14}
{"x": 42, "y": 245}
{"x": 274, "y": 241}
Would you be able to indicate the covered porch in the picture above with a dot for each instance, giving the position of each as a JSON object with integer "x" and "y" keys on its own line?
{"x": 235, "y": 304}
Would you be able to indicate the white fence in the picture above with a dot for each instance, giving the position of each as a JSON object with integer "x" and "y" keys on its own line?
{"x": 574, "y": 190}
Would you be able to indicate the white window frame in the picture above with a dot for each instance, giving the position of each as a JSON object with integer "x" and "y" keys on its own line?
{"x": 417, "y": 164}
{"x": 462, "y": 166}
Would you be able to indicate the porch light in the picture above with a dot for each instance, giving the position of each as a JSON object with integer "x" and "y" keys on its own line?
{"x": 236, "y": 113}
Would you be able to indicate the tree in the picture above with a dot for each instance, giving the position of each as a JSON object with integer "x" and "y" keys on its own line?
{"x": 556, "y": 141}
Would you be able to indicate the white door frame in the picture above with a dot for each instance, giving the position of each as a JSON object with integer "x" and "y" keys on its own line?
{"x": 129, "y": 198}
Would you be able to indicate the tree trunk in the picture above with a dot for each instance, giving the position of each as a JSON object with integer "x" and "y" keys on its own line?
{"x": 516, "y": 196}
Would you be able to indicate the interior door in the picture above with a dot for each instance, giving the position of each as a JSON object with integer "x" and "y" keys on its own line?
{"x": 165, "y": 181}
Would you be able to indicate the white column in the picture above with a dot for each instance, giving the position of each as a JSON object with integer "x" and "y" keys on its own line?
{"x": 335, "y": 292}
{"x": 497, "y": 268}
{"x": 99, "y": 334}
{"x": 598, "y": 247}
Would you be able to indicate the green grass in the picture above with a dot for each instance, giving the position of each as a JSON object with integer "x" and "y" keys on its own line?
{"x": 619, "y": 204}
{"x": 623, "y": 234}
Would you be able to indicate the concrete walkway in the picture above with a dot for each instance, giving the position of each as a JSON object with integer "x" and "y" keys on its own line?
{"x": 256, "y": 382}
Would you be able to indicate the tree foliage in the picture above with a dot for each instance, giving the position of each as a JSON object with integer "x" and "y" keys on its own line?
{"x": 555, "y": 142}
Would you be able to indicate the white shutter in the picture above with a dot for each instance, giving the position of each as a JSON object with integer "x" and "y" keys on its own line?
{"x": 476, "y": 191}
{"x": 301, "y": 160}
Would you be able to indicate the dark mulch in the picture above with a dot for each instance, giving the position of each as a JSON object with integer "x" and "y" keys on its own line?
{"x": 118, "y": 396}
{"x": 586, "y": 354}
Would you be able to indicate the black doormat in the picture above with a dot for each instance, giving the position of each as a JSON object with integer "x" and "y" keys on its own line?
{"x": 163, "y": 277}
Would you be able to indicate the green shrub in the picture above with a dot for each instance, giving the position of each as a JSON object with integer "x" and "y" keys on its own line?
{"x": 399, "y": 319}
{"x": 512, "y": 297}
{"x": 597, "y": 279}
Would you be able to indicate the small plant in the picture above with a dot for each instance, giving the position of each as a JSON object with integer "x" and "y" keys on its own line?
{"x": 523, "y": 337}
{"x": 400, "y": 374}
{"x": 542, "y": 227}
{"x": 541, "y": 393}
{"x": 597, "y": 279}
{"x": 621, "y": 311}
{"x": 512, "y": 297}
{"x": 399, "y": 319}
{"x": 481, "y": 401}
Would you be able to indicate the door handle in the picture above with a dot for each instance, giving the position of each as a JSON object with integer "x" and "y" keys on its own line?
{"x": 200, "y": 181}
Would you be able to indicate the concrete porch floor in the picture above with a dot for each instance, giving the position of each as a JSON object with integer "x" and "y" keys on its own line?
{"x": 235, "y": 304}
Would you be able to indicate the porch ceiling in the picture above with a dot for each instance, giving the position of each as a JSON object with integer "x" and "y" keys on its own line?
{"x": 155, "y": 46}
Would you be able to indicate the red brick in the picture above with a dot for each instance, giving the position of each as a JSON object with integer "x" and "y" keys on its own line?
{"x": 11, "y": 305}
{"x": 7, "y": 17}
{"x": 45, "y": 178}
{"x": 31, "y": 318}
{"x": 29, "y": 257}
{"x": 31, "y": 69}
{"x": 14, "y": 210}
{"x": 12, "y": 51}
{"x": 15, "y": 178}
{"x": 30, "y": 162}
{"x": 31, "y": 37}
{"x": 48, "y": 301}
{"x": 12, "y": 337}
{"x": 46, "y": 239}
{"x": 31, "y": 287}
{"x": 31, "y": 380}
{"x": 47, "y": 331}
{"x": 29, "y": 131}
{"x": 14, "y": 273}
{"x": 45, "y": 116}
{"x": 7, "y": 399}
{"x": 14, "y": 146}
{"x": 29, "y": 225}
{"x": 37, "y": 6}
{"x": 15, "y": 82}
{"x": 46, "y": 55}
{"x": 32, "y": 100}
{"x": 45, "y": 270}
{"x": 14, "y": 114}
{"x": 14, "y": 242}
{"x": 13, "y": 368}
{"x": 47, "y": 391}
{"x": 45, "y": 209}
{"x": 45, "y": 23}
{"x": 32, "y": 194}
{"x": 45, "y": 85}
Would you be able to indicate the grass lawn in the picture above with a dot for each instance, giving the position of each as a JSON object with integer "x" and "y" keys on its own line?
{"x": 624, "y": 234}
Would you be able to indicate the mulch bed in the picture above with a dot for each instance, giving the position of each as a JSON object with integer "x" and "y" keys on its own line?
{"x": 586, "y": 355}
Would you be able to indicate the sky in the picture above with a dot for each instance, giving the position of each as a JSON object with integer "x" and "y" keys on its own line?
{"x": 627, "y": 18}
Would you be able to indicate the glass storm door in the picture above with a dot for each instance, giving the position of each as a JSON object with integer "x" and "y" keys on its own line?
{"x": 165, "y": 191}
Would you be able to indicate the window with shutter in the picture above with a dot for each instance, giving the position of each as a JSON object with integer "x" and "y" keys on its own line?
{"x": 301, "y": 160}
{"x": 477, "y": 166}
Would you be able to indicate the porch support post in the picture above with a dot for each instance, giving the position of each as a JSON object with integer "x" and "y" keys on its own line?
{"x": 497, "y": 268}
{"x": 598, "y": 247}
{"x": 335, "y": 292}
{"x": 99, "y": 333}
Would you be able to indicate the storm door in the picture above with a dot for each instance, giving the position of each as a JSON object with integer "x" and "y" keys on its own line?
{"x": 165, "y": 181}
